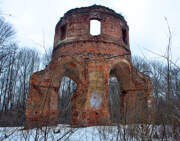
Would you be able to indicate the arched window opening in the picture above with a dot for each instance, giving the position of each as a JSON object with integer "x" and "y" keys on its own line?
{"x": 114, "y": 100}
{"x": 124, "y": 35}
{"x": 63, "y": 32}
{"x": 66, "y": 90}
{"x": 95, "y": 27}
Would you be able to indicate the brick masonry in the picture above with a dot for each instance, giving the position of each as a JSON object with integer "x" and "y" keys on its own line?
{"x": 90, "y": 61}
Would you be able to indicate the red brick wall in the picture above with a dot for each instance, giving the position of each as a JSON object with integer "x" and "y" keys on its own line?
{"x": 88, "y": 60}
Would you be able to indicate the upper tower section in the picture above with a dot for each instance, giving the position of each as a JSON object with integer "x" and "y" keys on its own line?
{"x": 75, "y": 26}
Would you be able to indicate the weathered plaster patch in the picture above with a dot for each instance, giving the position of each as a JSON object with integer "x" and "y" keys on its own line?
{"x": 95, "y": 100}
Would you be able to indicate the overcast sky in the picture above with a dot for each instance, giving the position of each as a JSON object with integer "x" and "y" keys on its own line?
{"x": 35, "y": 20}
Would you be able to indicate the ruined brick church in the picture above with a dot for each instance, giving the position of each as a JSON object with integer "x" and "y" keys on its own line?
{"x": 89, "y": 60}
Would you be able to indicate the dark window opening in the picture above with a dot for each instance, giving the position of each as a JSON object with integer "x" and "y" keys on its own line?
{"x": 124, "y": 35}
{"x": 95, "y": 27}
{"x": 63, "y": 32}
{"x": 66, "y": 90}
{"x": 124, "y": 92}
{"x": 114, "y": 97}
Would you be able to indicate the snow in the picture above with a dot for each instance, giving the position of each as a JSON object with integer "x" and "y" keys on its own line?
{"x": 95, "y": 133}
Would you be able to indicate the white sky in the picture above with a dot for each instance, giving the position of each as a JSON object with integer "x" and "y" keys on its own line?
{"x": 35, "y": 20}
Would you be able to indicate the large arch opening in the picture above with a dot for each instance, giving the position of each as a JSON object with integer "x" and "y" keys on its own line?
{"x": 119, "y": 83}
{"x": 115, "y": 101}
{"x": 66, "y": 91}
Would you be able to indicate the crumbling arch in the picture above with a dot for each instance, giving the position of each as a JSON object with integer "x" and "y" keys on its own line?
{"x": 119, "y": 84}
{"x": 68, "y": 67}
{"x": 68, "y": 73}
{"x": 122, "y": 70}
{"x": 67, "y": 88}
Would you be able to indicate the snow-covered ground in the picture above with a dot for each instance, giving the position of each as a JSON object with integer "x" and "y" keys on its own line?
{"x": 96, "y": 133}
